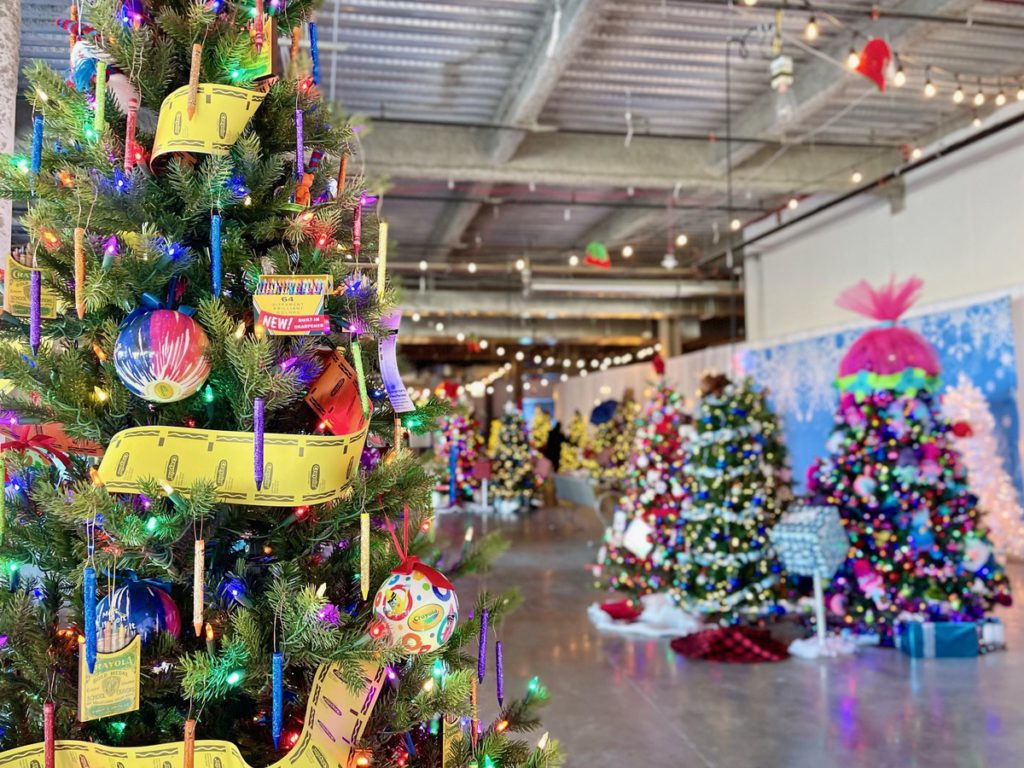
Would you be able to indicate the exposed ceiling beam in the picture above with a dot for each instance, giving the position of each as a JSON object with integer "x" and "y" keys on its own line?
{"x": 523, "y": 101}
{"x": 508, "y": 330}
{"x": 444, "y": 304}
{"x": 819, "y": 80}
{"x": 624, "y": 224}
{"x": 403, "y": 151}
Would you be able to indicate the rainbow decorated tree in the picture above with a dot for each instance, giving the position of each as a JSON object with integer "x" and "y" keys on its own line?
{"x": 456, "y": 450}
{"x": 640, "y": 558}
{"x": 918, "y": 541}
{"x": 193, "y": 556}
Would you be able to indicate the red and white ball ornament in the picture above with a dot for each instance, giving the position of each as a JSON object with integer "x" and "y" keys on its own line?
{"x": 416, "y": 608}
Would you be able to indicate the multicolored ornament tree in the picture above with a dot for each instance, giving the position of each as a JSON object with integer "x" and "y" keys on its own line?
{"x": 642, "y": 559}
{"x": 513, "y": 480}
{"x": 918, "y": 543}
{"x": 184, "y": 291}
{"x": 738, "y": 484}
{"x": 974, "y": 437}
{"x": 457, "y": 449}
{"x": 571, "y": 452}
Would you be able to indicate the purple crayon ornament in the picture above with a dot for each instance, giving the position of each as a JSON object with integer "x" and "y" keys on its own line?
{"x": 300, "y": 145}
{"x": 257, "y": 442}
{"x": 35, "y": 290}
{"x": 481, "y": 655}
{"x": 499, "y": 673}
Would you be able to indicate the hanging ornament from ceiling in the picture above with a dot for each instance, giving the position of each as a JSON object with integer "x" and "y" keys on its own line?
{"x": 874, "y": 60}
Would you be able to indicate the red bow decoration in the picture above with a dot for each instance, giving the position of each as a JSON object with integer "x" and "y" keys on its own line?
{"x": 412, "y": 563}
{"x": 31, "y": 438}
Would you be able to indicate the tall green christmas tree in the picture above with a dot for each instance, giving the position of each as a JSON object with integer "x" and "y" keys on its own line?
{"x": 514, "y": 480}
{"x": 738, "y": 484}
{"x": 222, "y": 503}
{"x": 641, "y": 559}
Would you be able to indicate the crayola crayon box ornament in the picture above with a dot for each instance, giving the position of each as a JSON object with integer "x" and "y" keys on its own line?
{"x": 292, "y": 305}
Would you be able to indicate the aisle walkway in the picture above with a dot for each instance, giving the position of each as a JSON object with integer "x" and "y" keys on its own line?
{"x": 625, "y": 703}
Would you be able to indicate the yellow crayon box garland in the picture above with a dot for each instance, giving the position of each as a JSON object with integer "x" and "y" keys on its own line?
{"x": 298, "y": 469}
{"x": 335, "y": 720}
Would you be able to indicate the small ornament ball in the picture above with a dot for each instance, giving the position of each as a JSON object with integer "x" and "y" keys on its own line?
{"x": 416, "y": 608}
{"x": 161, "y": 356}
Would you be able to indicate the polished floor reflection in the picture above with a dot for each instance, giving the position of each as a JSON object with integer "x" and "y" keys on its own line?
{"x": 621, "y": 702}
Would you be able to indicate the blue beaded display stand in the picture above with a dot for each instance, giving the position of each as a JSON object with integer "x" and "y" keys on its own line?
{"x": 811, "y": 541}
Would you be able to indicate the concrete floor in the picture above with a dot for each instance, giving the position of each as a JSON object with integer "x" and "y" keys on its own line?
{"x": 619, "y": 702}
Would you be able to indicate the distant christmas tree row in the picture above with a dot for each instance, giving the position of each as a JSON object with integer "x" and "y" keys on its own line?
{"x": 700, "y": 500}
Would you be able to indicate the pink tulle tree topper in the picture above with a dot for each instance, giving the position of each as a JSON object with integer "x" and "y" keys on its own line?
{"x": 890, "y": 349}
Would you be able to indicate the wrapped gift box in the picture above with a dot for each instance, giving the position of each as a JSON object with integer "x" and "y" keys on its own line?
{"x": 938, "y": 639}
{"x": 811, "y": 541}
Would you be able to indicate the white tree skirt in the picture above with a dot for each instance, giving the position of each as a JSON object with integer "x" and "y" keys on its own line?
{"x": 813, "y": 648}
{"x": 661, "y": 618}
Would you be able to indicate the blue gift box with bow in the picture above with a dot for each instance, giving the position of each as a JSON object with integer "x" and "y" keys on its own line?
{"x": 938, "y": 639}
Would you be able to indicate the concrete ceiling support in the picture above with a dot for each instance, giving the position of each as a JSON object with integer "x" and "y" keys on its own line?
{"x": 522, "y": 103}
{"x": 819, "y": 80}
{"x": 445, "y": 304}
{"x": 440, "y": 153}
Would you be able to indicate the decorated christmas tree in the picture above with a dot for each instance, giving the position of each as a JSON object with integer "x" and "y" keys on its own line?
{"x": 738, "y": 484}
{"x": 571, "y": 452}
{"x": 974, "y": 432}
{"x": 513, "y": 479}
{"x": 918, "y": 543}
{"x": 456, "y": 451}
{"x": 641, "y": 559}
{"x": 607, "y": 453}
{"x": 191, "y": 552}
{"x": 540, "y": 429}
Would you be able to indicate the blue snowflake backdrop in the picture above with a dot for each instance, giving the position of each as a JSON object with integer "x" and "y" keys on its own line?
{"x": 976, "y": 340}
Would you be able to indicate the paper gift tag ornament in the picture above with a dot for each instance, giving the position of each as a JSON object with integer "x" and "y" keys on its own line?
{"x": 874, "y": 60}
{"x": 416, "y": 608}
{"x": 637, "y": 538}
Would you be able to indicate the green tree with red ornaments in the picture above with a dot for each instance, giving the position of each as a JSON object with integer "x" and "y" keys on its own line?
{"x": 918, "y": 541}
{"x": 640, "y": 558}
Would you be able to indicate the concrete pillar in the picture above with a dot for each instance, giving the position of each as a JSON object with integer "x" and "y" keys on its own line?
{"x": 668, "y": 336}
{"x": 10, "y": 34}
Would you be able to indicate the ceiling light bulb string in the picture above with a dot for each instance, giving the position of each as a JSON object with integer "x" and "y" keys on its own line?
{"x": 859, "y": 36}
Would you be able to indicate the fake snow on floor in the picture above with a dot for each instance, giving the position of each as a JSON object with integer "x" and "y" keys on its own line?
{"x": 661, "y": 617}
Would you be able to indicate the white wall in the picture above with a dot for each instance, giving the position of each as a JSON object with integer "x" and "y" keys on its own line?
{"x": 683, "y": 372}
{"x": 962, "y": 231}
